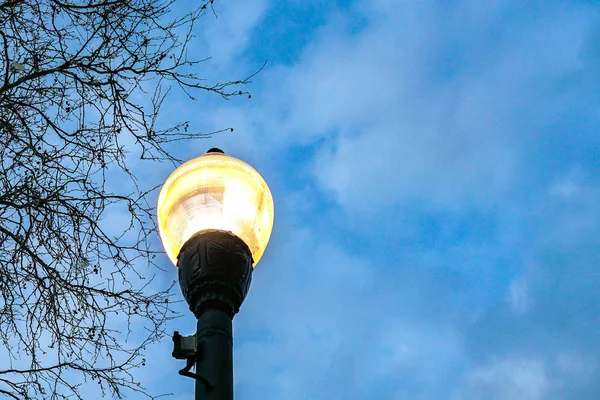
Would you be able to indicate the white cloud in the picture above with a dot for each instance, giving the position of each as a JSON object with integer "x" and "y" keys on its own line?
{"x": 318, "y": 320}
{"x": 568, "y": 187}
{"x": 404, "y": 118}
{"x": 527, "y": 378}
{"x": 518, "y": 297}
{"x": 509, "y": 379}
{"x": 396, "y": 136}
{"x": 576, "y": 367}
{"x": 228, "y": 35}
{"x": 565, "y": 189}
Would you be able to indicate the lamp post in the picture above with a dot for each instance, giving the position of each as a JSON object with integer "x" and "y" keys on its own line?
{"x": 215, "y": 216}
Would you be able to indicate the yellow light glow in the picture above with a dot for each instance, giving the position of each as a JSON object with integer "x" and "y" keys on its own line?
{"x": 215, "y": 191}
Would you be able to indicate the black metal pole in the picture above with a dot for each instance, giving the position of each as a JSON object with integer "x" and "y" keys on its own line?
{"x": 215, "y": 355}
{"x": 215, "y": 271}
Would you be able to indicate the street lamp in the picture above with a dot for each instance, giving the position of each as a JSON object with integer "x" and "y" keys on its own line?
{"x": 215, "y": 216}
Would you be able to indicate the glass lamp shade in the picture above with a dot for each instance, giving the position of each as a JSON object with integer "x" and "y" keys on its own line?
{"x": 215, "y": 191}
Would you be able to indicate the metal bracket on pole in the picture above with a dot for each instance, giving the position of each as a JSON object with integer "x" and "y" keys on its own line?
{"x": 185, "y": 349}
{"x": 191, "y": 360}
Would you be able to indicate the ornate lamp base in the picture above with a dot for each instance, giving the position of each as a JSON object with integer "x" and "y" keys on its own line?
{"x": 215, "y": 271}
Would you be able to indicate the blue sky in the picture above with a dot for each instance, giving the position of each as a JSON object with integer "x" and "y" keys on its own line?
{"x": 435, "y": 167}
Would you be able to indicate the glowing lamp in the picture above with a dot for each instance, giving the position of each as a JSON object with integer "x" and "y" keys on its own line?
{"x": 215, "y": 192}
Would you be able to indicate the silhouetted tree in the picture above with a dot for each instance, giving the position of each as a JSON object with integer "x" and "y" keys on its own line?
{"x": 81, "y": 86}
